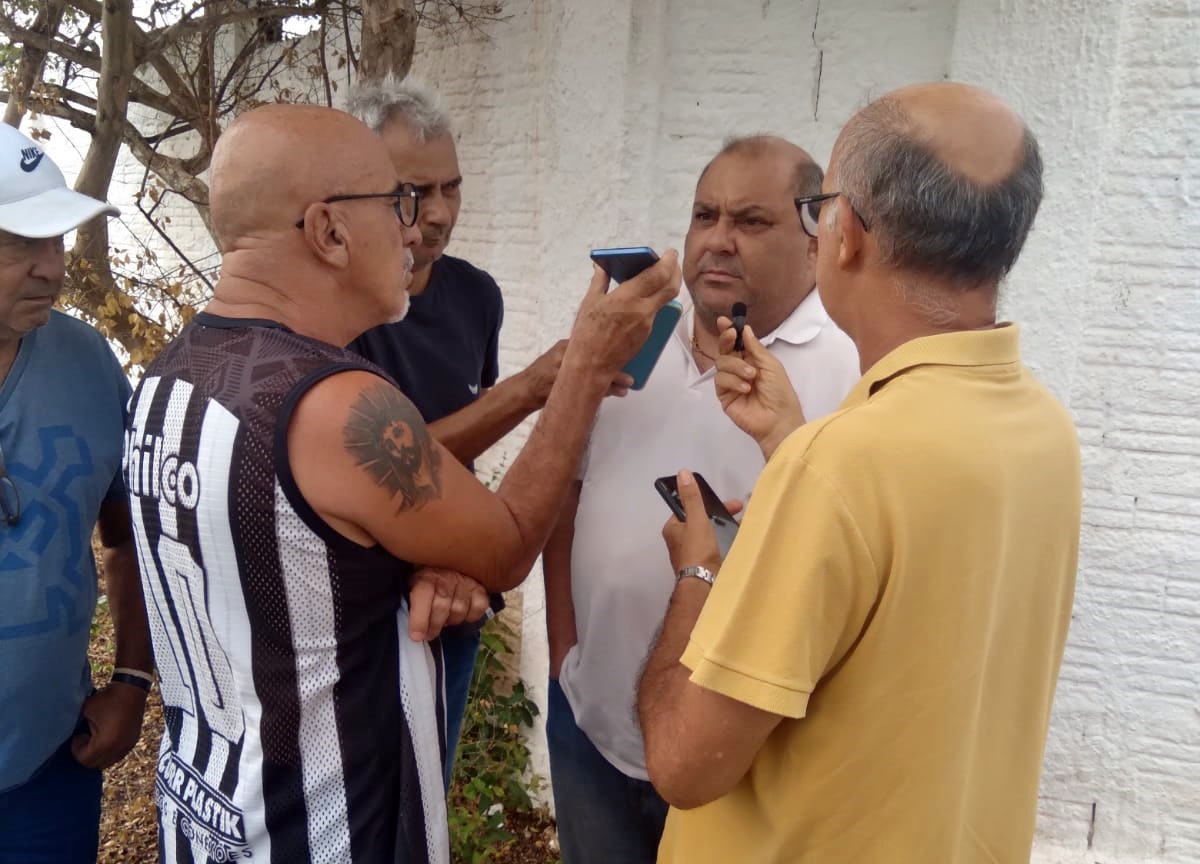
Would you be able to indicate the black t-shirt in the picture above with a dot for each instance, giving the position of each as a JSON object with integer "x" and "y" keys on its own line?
{"x": 446, "y": 350}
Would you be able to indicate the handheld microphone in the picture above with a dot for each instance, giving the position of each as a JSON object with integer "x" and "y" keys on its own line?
{"x": 739, "y": 321}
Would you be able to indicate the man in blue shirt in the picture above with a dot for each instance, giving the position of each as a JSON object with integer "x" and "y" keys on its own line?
{"x": 62, "y": 419}
{"x": 444, "y": 354}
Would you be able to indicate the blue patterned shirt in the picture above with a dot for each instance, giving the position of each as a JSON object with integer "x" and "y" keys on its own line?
{"x": 62, "y": 421}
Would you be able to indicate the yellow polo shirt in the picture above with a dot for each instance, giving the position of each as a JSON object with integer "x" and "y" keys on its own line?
{"x": 899, "y": 592}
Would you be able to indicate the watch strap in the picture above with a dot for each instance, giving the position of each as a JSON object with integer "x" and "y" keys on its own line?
{"x": 698, "y": 572}
{"x": 133, "y": 677}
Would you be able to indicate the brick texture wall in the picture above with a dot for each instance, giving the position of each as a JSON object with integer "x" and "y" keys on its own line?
{"x": 1109, "y": 292}
{"x": 585, "y": 125}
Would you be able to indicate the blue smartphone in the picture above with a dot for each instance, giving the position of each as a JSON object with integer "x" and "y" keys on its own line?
{"x": 622, "y": 265}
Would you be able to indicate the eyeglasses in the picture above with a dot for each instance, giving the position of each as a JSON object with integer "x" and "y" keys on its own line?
{"x": 809, "y": 208}
{"x": 406, "y": 201}
{"x": 10, "y": 501}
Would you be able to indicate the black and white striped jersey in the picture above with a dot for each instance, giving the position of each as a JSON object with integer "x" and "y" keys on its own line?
{"x": 302, "y": 724}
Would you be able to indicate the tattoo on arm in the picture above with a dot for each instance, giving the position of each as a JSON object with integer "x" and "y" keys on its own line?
{"x": 387, "y": 437}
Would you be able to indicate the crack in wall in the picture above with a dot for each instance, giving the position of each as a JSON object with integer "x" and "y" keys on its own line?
{"x": 820, "y": 62}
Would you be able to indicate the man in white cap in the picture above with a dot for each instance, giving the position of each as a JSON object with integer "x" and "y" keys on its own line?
{"x": 62, "y": 416}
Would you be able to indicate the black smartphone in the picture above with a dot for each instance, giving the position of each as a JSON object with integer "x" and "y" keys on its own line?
{"x": 722, "y": 520}
{"x": 624, "y": 263}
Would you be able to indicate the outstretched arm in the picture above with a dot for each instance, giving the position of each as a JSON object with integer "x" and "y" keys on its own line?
{"x": 365, "y": 461}
{"x": 468, "y": 432}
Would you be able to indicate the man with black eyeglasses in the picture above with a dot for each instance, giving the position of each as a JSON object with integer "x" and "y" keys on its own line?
{"x": 874, "y": 660}
{"x": 282, "y": 489}
{"x": 62, "y": 412}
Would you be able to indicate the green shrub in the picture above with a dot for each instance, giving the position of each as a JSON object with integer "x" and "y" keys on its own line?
{"x": 490, "y": 780}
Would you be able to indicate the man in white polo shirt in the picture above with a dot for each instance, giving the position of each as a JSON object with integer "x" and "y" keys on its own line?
{"x": 608, "y": 577}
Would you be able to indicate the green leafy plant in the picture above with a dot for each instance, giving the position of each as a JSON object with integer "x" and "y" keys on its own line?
{"x": 490, "y": 781}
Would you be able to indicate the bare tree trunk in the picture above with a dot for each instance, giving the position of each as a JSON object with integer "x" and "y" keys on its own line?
{"x": 389, "y": 37}
{"x": 91, "y": 281}
{"x": 33, "y": 60}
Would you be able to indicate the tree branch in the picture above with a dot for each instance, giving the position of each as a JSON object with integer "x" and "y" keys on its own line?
{"x": 178, "y": 173}
{"x": 325, "y": 63}
{"x": 159, "y": 40}
{"x": 166, "y": 238}
{"x": 32, "y": 62}
{"x": 90, "y": 8}
{"x": 244, "y": 54}
{"x": 81, "y": 120}
{"x": 36, "y": 42}
{"x": 166, "y": 103}
{"x": 112, "y": 105}
{"x": 30, "y": 38}
{"x": 195, "y": 78}
{"x": 175, "y": 172}
{"x": 262, "y": 79}
{"x": 353, "y": 64}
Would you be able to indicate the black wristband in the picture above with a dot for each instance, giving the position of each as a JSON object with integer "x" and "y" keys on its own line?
{"x": 131, "y": 680}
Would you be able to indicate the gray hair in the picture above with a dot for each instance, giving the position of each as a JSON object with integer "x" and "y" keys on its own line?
{"x": 378, "y": 103}
{"x": 807, "y": 175}
{"x": 928, "y": 217}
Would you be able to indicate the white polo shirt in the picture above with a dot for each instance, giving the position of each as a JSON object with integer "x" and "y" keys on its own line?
{"x": 621, "y": 577}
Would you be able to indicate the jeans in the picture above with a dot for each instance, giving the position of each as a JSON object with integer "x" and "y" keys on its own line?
{"x": 604, "y": 816}
{"x": 54, "y": 817}
{"x": 459, "y": 647}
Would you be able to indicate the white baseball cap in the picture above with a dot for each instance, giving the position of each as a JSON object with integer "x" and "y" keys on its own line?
{"x": 35, "y": 200}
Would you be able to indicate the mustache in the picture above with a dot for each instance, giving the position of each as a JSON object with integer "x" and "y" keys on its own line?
{"x": 718, "y": 262}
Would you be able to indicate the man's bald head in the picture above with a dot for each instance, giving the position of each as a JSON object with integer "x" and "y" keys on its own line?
{"x": 806, "y": 173}
{"x": 274, "y": 161}
{"x": 947, "y": 177}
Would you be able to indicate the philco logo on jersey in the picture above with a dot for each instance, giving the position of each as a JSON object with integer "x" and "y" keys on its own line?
{"x": 153, "y": 472}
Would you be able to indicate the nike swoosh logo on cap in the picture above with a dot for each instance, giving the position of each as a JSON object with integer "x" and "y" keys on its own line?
{"x": 30, "y": 159}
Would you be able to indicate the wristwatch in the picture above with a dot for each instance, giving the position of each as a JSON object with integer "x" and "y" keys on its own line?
{"x": 133, "y": 677}
{"x": 702, "y": 573}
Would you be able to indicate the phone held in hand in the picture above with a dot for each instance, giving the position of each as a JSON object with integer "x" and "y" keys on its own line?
{"x": 624, "y": 263}
{"x": 621, "y": 265}
{"x": 724, "y": 525}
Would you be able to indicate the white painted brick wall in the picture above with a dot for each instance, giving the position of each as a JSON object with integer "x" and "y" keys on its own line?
{"x": 586, "y": 124}
{"x": 1109, "y": 290}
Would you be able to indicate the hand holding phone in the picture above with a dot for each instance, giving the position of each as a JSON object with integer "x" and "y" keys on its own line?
{"x": 621, "y": 265}
{"x": 724, "y": 525}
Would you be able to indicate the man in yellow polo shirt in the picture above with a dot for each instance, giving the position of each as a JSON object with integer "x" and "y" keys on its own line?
{"x": 870, "y": 677}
